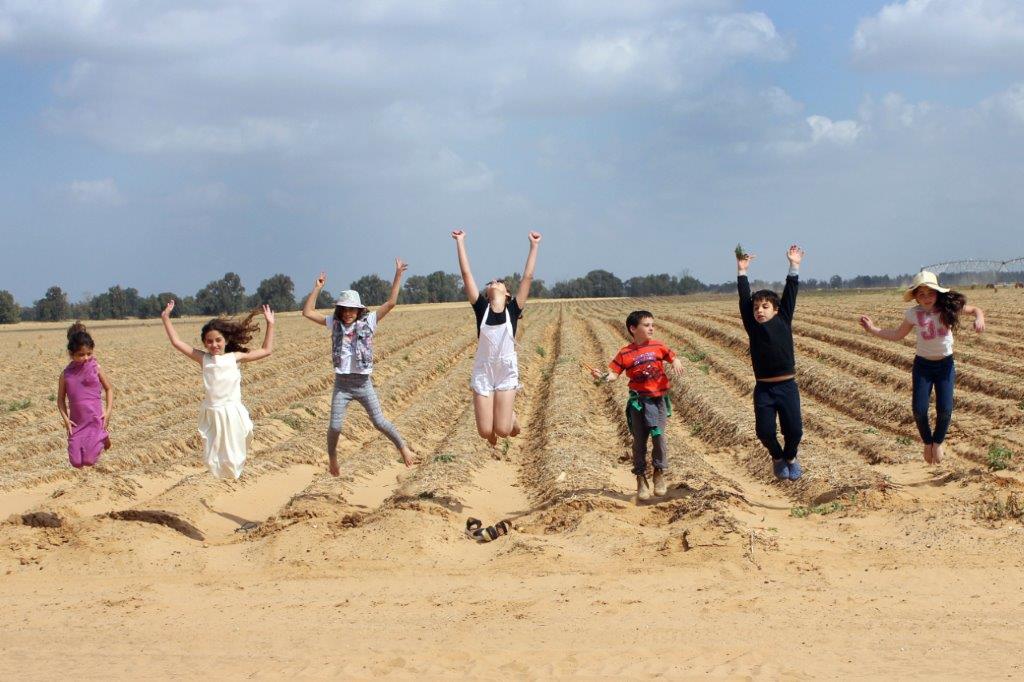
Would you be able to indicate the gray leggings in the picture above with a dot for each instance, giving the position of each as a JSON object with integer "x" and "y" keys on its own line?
{"x": 348, "y": 387}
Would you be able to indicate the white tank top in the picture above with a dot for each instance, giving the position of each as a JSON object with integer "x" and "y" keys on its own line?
{"x": 934, "y": 339}
{"x": 221, "y": 379}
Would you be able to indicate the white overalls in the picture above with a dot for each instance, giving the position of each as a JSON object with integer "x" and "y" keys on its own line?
{"x": 496, "y": 367}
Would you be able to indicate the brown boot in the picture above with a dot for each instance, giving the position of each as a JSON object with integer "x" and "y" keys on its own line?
{"x": 660, "y": 484}
{"x": 643, "y": 492}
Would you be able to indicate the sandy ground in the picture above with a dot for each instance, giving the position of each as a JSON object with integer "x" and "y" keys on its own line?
{"x": 874, "y": 566}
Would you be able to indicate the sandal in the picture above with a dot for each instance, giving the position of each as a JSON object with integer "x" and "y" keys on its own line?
{"x": 476, "y": 531}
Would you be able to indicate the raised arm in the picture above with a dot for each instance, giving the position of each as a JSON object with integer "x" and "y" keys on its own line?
{"x": 396, "y": 286}
{"x": 979, "y": 317}
{"x": 472, "y": 293}
{"x": 531, "y": 265}
{"x": 172, "y": 334}
{"x": 743, "y": 288}
{"x": 268, "y": 340}
{"x": 309, "y": 307}
{"x": 891, "y": 334}
{"x": 787, "y": 304}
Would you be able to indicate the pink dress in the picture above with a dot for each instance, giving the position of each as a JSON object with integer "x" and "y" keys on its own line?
{"x": 88, "y": 437}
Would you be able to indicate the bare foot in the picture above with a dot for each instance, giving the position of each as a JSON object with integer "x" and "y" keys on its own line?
{"x": 334, "y": 468}
{"x": 928, "y": 453}
{"x": 936, "y": 453}
{"x": 409, "y": 457}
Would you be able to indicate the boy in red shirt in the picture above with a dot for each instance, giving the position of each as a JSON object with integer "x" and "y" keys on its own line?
{"x": 649, "y": 406}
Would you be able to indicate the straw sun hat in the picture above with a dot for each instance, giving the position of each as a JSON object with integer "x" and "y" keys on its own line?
{"x": 923, "y": 279}
{"x": 349, "y": 299}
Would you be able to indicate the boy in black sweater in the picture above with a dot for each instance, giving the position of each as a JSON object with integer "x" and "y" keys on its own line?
{"x": 769, "y": 324}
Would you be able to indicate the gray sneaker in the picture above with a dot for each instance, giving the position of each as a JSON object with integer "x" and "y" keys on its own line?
{"x": 660, "y": 484}
{"x": 643, "y": 491}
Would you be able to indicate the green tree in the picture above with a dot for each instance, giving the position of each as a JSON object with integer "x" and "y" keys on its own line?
{"x": 602, "y": 283}
{"x": 53, "y": 306}
{"x": 373, "y": 289}
{"x": 116, "y": 303}
{"x": 10, "y": 311}
{"x": 223, "y": 296}
{"x": 277, "y": 291}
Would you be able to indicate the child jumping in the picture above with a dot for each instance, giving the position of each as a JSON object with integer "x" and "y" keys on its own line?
{"x": 224, "y": 423}
{"x": 649, "y": 406}
{"x": 78, "y": 393}
{"x": 935, "y": 317}
{"x": 352, "y": 327}
{"x": 495, "y": 379}
{"x": 769, "y": 324}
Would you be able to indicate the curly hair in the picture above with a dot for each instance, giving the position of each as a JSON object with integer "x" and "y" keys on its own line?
{"x": 79, "y": 338}
{"x": 949, "y": 307}
{"x": 237, "y": 332}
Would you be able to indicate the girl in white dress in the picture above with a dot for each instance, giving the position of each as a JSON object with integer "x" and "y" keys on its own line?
{"x": 224, "y": 423}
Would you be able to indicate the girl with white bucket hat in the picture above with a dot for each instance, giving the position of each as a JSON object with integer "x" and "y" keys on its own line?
{"x": 935, "y": 317}
{"x": 352, "y": 327}
{"x": 495, "y": 379}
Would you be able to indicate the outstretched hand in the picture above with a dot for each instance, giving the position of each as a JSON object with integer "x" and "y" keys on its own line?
{"x": 744, "y": 262}
{"x": 458, "y": 235}
{"x": 867, "y": 323}
{"x": 321, "y": 280}
{"x": 268, "y": 314}
{"x": 166, "y": 314}
{"x": 534, "y": 238}
{"x": 795, "y": 254}
{"x": 400, "y": 266}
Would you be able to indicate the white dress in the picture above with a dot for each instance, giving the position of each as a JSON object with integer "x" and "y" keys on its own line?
{"x": 224, "y": 422}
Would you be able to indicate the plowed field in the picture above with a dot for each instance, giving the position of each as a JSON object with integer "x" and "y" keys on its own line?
{"x": 873, "y": 564}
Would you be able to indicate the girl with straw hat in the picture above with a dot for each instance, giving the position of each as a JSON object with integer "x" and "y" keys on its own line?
{"x": 352, "y": 327}
{"x": 935, "y": 317}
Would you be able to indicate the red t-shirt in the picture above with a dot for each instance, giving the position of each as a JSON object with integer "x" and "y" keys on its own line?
{"x": 642, "y": 364}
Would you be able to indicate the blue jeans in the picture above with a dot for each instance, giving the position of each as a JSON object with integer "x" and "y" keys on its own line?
{"x": 781, "y": 399}
{"x": 942, "y": 375}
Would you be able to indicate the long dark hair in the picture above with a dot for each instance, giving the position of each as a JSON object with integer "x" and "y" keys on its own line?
{"x": 949, "y": 306}
{"x": 237, "y": 332}
{"x": 79, "y": 338}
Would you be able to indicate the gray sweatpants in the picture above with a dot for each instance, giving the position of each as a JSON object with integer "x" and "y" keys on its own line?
{"x": 359, "y": 387}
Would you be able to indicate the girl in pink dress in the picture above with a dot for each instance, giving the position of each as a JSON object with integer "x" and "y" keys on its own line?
{"x": 78, "y": 400}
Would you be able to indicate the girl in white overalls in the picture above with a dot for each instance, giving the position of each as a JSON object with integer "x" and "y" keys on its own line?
{"x": 496, "y": 368}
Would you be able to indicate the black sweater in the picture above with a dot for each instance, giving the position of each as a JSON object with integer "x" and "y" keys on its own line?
{"x": 771, "y": 343}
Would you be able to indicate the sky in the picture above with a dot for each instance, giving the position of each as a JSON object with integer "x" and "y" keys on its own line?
{"x": 161, "y": 143}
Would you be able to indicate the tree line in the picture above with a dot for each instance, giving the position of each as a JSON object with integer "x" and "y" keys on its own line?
{"x": 228, "y": 296}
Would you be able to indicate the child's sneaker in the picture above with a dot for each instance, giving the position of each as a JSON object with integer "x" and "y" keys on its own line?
{"x": 780, "y": 468}
{"x": 660, "y": 484}
{"x": 795, "y": 470}
{"x": 643, "y": 492}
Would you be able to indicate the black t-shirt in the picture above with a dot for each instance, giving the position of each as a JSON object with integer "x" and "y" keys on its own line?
{"x": 771, "y": 343}
{"x": 494, "y": 319}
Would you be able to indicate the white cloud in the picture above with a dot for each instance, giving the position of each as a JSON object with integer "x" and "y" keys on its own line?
{"x": 824, "y": 129}
{"x": 952, "y": 37}
{"x": 1007, "y": 105}
{"x": 97, "y": 192}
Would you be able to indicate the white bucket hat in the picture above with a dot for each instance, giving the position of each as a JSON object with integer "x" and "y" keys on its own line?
{"x": 349, "y": 299}
{"x": 923, "y": 279}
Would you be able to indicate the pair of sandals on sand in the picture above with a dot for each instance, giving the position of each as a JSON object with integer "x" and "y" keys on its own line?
{"x": 475, "y": 530}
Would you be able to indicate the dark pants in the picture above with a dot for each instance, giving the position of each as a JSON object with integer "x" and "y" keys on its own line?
{"x": 780, "y": 399}
{"x": 942, "y": 375}
{"x": 641, "y": 431}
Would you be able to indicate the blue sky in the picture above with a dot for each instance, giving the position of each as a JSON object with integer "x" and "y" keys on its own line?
{"x": 161, "y": 144}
